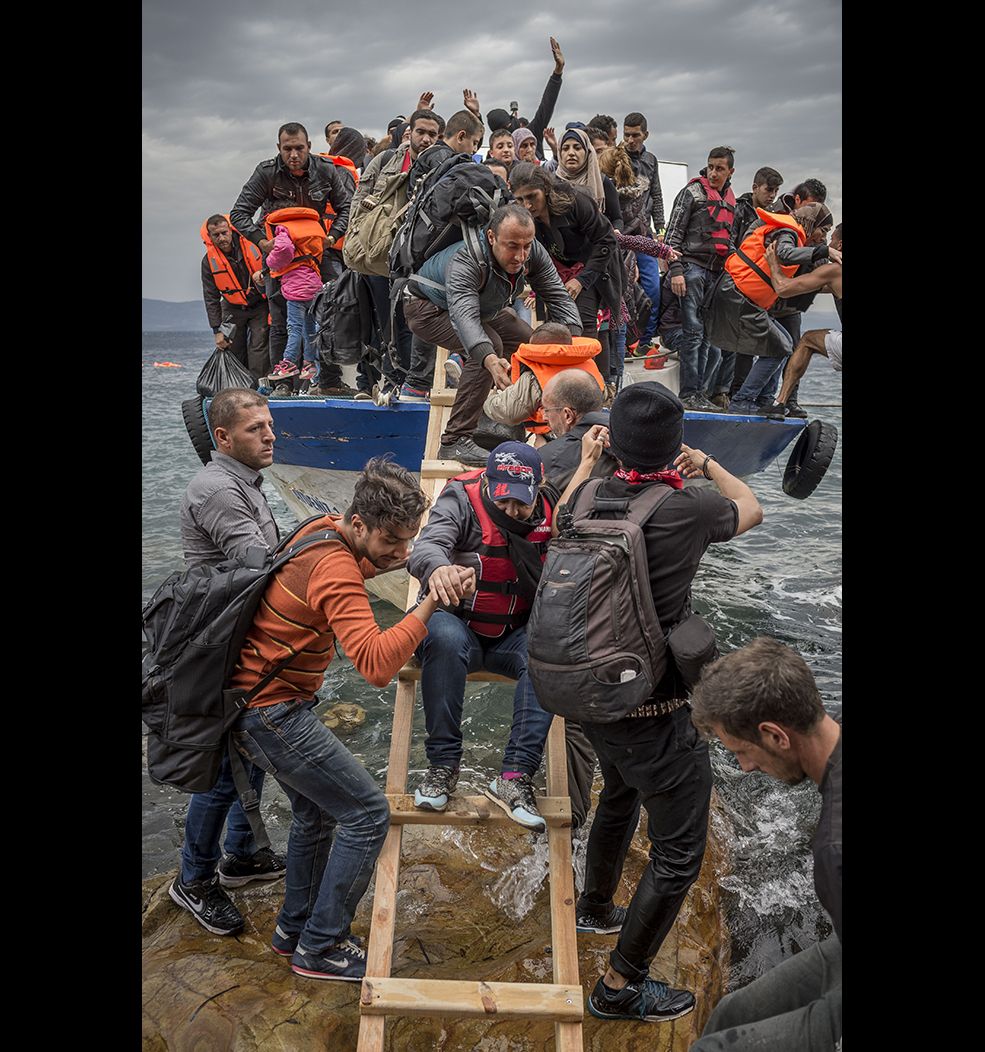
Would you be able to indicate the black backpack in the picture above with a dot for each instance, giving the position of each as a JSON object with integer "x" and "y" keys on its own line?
{"x": 195, "y": 626}
{"x": 344, "y": 319}
{"x": 595, "y": 647}
{"x": 457, "y": 193}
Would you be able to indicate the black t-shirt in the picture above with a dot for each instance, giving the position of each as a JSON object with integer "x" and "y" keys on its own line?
{"x": 677, "y": 535}
{"x": 827, "y": 841}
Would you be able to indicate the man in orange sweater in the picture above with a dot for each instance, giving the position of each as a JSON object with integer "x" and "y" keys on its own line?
{"x": 339, "y": 815}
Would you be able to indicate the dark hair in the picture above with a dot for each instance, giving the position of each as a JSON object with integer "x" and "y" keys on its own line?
{"x": 387, "y": 495}
{"x": 770, "y": 176}
{"x": 510, "y": 211}
{"x": 551, "y": 332}
{"x": 604, "y": 122}
{"x": 635, "y": 120}
{"x": 427, "y": 115}
{"x": 593, "y": 131}
{"x": 837, "y": 232}
{"x": 727, "y": 152}
{"x": 463, "y": 121}
{"x": 500, "y": 133}
{"x": 762, "y": 681}
{"x": 811, "y": 188}
{"x": 327, "y": 126}
{"x": 350, "y": 143}
{"x": 525, "y": 173}
{"x": 278, "y": 203}
{"x": 292, "y": 128}
{"x": 491, "y": 162}
{"x": 228, "y": 402}
{"x": 215, "y": 220}
{"x": 570, "y": 389}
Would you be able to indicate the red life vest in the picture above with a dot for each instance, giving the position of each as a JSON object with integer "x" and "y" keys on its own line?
{"x": 494, "y": 609}
{"x": 544, "y": 360}
{"x": 222, "y": 271}
{"x": 748, "y": 266}
{"x": 307, "y": 233}
{"x": 340, "y": 162}
{"x": 718, "y": 207}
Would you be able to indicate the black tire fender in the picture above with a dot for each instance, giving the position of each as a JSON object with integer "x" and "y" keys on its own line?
{"x": 810, "y": 459}
{"x": 193, "y": 413}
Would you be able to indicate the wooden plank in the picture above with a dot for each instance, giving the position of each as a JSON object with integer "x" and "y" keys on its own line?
{"x": 473, "y": 810}
{"x": 471, "y": 998}
{"x": 403, "y": 717}
{"x": 440, "y": 469}
{"x": 443, "y": 398}
{"x": 413, "y": 672}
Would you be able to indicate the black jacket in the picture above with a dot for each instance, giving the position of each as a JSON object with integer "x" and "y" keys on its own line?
{"x": 745, "y": 216}
{"x": 584, "y": 235}
{"x": 322, "y": 182}
{"x": 562, "y": 456}
{"x": 215, "y": 306}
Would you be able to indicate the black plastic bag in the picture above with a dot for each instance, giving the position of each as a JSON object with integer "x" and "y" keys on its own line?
{"x": 223, "y": 370}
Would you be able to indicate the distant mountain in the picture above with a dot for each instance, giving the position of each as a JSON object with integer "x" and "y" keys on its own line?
{"x": 165, "y": 316}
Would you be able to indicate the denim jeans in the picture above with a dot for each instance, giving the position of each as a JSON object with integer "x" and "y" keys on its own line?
{"x": 761, "y": 385}
{"x": 203, "y": 825}
{"x": 721, "y": 368}
{"x": 650, "y": 280}
{"x": 797, "y": 1005}
{"x": 695, "y": 345}
{"x": 300, "y": 333}
{"x": 339, "y": 818}
{"x": 522, "y": 310}
{"x": 448, "y": 653}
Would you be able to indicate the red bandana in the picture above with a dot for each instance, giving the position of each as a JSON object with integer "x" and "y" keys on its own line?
{"x": 634, "y": 478}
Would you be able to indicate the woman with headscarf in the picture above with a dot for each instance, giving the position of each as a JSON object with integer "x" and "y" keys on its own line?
{"x": 525, "y": 145}
{"x": 581, "y": 241}
{"x": 578, "y": 164}
{"x": 738, "y": 318}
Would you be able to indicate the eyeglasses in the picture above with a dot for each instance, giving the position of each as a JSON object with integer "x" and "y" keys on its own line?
{"x": 552, "y": 408}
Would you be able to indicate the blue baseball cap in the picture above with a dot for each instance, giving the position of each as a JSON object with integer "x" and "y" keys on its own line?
{"x": 515, "y": 472}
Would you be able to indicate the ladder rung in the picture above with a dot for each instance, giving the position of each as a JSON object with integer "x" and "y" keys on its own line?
{"x": 442, "y": 469}
{"x": 413, "y": 672}
{"x": 468, "y": 997}
{"x": 443, "y": 397}
{"x": 473, "y": 810}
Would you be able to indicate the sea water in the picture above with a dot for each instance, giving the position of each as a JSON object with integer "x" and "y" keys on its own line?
{"x": 782, "y": 579}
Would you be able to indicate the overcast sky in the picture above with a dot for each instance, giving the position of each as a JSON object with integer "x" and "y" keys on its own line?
{"x": 220, "y": 76}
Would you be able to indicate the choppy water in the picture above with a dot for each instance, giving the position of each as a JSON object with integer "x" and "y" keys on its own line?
{"x": 782, "y": 579}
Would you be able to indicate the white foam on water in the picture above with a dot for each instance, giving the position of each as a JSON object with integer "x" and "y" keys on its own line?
{"x": 515, "y": 890}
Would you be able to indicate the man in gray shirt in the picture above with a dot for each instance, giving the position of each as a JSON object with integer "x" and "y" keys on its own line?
{"x": 225, "y": 516}
{"x": 762, "y": 703}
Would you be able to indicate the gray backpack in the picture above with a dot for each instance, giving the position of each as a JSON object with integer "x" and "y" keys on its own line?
{"x": 595, "y": 647}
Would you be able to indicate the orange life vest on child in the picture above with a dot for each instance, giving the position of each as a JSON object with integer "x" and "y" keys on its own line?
{"x": 494, "y": 608}
{"x": 748, "y": 266}
{"x": 222, "y": 272}
{"x": 545, "y": 360}
{"x": 341, "y": 162}
{"x": 306, "y": 230}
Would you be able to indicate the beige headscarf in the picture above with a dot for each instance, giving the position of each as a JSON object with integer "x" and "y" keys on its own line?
{"x": 589, "y": 176}
{"x": 812, "y": 216}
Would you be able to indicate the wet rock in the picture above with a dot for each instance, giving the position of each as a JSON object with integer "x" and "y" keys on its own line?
{"x": 344, "y": 717}
{"x": 206, "y": 993}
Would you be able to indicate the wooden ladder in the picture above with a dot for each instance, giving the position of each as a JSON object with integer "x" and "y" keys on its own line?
{"x": 382, "y": 995}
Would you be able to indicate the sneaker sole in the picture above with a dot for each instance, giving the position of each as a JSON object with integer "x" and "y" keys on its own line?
{"x": 598, "y": 931}
{"x": 424, "y": 804}
{"x": 238, "y": 882}
{"x": 208, "y": 927}
{"x": 282, "y": 953}
{"x": 496, "y": 800}
{"x": 326, "y": 975}
{"x": 637, "y": 1018}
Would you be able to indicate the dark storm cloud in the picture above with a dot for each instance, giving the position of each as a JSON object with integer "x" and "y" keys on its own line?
{"x": 220, "y": 77}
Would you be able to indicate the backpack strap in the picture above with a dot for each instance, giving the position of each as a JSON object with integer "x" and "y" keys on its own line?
{"x": 754, "y": 266}
{"x": 248, "y": 798}
{"x": 635, "y": 509}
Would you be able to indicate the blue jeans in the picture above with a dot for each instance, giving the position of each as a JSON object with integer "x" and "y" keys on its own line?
{"x": 448, "y": 653}
{"x": 650, "y": 280}
{"x": 339, "y": 818}
{"x": 695, "y": 345}
{"x": 203, "y": 825}
{"x": 522, "y": 310}
{"x": 300, "y": 330}
{"x": 761, "y": 385}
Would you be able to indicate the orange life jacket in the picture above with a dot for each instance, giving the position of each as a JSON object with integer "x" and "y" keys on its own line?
{"x": 307, "y": 233}
{"x": 494, "y": 608}
{"x": 341, "y": 162}
{"x": 222, "y": 271}
{"x": 545, "y": 360}
{"x": 748, "y": 266}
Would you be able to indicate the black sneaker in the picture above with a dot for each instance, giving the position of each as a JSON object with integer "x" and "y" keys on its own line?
{"x": 599, "y": 920}
{"x": 516, "y": 797}
{"x": 465, "y": 451}
{"x": 346, "y": 960}
{"x": 650, "y": 1000}
{"x": 698, "y": 403}
{"x": 795, "y": 409}
{"x": 208, "y": 904}
{"x": 439, "y": 783}
{"x": 282, "y": 943}
{"x": 264, "y": 865}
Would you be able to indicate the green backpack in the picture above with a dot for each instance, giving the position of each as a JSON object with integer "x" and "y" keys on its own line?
{"x": 371, "y": 230}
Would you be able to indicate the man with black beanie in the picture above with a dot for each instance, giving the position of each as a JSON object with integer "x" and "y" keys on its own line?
{"x": 654, "y": 756}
